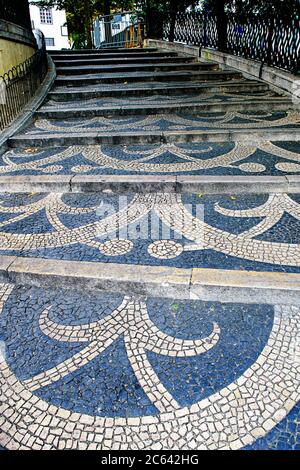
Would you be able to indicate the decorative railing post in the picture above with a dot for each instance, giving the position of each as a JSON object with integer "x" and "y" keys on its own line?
{"x": 296, "y": 42}
{"x": 269, "y": 51}
{"x": 204, "y": 38}
{"x": 155, "y": 24}
{"x": 172, "y": 27}
{"x": 222, "y": 25}
{"x": 173, "y": 15}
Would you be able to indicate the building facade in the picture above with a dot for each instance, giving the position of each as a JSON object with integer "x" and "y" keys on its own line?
{"x": 52, "y": 23}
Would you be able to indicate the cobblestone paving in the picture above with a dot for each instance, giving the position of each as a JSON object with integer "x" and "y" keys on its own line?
{"x": 154, "y": 85}
{"x": 253, "y": 232}
{"x": 163, "y": 99}
{"x": 103, "y": 371}
{"x": 284, "y": 436}
{"x": 82, "y": 369}
{"x": 171, "y": 122}
{"x": 227, "y": 158}
{"x": 117, "y": 76}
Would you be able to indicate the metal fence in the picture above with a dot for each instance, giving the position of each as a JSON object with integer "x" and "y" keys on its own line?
{"x": 273, "y": 41}
{"x": 119, "y": 30}
{"x": 15, "y": 11}
{"x": 19, "y": 85}
{"x": 193, "y": 28}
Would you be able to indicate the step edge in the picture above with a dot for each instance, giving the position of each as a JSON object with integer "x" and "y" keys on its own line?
{"x": 124, "y": 184}
{"x": 157, "y": 281}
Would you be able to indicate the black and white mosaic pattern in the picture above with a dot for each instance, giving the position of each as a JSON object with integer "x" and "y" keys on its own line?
{"x": 86, "y": 371}
{"x": 255, "y": 232}
{"x": 227, "y": 158}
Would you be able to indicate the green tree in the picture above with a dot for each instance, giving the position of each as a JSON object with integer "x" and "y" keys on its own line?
{"x": 158, "y": 11}
{"x": 262, "y": 8}
{"x": 266, "y": 8}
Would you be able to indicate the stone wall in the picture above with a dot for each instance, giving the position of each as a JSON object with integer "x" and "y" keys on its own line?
{"x": 16, "y": 45}
{"x": 276, "y": 78}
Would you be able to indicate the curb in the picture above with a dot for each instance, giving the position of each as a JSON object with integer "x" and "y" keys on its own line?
{"x": 120, "y": 184}
{"x": 155, "y": 281}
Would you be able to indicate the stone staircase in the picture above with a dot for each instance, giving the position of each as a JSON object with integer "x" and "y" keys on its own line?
{"x": 184, "y": 100}
{"x": 151, "y": 210}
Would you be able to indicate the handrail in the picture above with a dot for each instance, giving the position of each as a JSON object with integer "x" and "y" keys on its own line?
{"x": 19, "y": 84}
{"x": 272, "y": 41}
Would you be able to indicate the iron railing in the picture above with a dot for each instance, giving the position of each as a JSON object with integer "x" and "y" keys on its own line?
{"x": 16, "y": 11}
{"x": 19, "y": 85}
{"x": 119, "y": 30}
{"x": 193, "y": 28}
{"x": 273, "y": 41}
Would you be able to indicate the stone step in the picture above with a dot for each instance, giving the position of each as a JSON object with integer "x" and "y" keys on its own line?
{"x": 272, "y": 104}
{"x": 84, "y": 80}
{"x": 123, "y": 184}
{"x": 226, "y": 285}
{"x": 205, "y": 96}
{"x": 124, "y": 67}
{"x": 151, "y": 88}
{"x": 232, "y": 231}
{"x": 92, "y": 137}
{"x": 127, "y": 60}
{"x": 167, "y": 127}
{"x": 114, "y": 50}
{"x": 172, "y": 166}
{"x": 115, "y": 56}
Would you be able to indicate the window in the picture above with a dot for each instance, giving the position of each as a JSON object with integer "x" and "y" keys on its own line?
{"x": 64, "y": 30}
{"x": 49, "y": 42}
{"x": 46, "y": 15}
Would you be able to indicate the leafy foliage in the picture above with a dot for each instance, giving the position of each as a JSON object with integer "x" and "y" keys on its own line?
{"x": 263, "y": 8}
{"x": 167, "y": 6}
